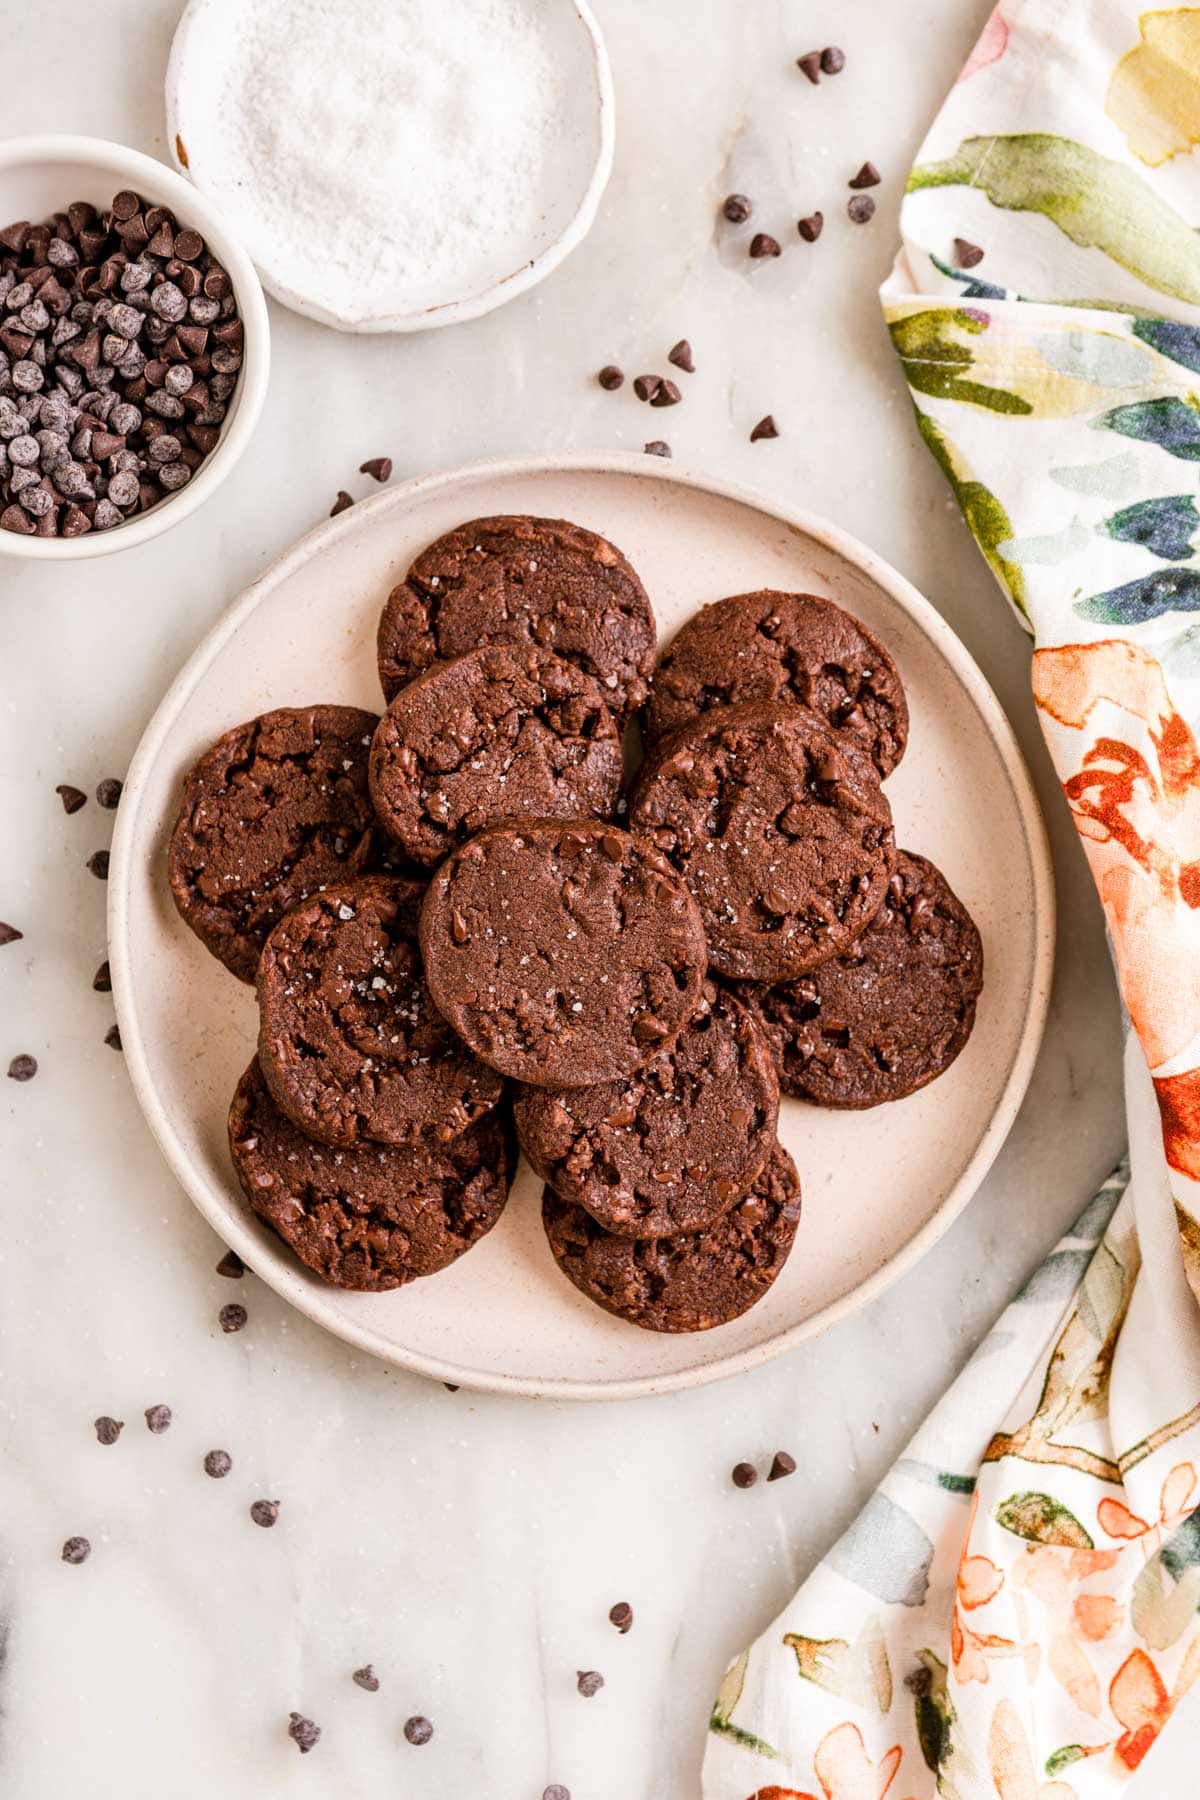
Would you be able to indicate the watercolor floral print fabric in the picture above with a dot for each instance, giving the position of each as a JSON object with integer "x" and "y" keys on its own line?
{"x": 1015, "y": 1612}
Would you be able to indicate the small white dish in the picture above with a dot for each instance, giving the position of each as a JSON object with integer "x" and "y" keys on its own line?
{"x": 42, "y": 175}
{"x": 879, "y": 1187}
{"x": 287, "y": 154}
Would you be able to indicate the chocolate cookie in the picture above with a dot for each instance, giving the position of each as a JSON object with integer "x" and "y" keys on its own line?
{"x": 376, "y": 1216}
{"x": 348, "y": 1042}
{"x": 563, "y": 954}
{"x": 768, "y": 647}
{"x": 686, "y": 1283}
{"x": 783, "y": 837}
{"x": 522, "y": 581}
{"x": 507, "y": 731}
{"x": 672, "y": 1147}
{"x": 893, "y": 1011}
{"x": 272, "y": 812}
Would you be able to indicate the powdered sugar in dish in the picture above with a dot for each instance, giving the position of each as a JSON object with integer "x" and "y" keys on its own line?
{"x": 381, "y": 158}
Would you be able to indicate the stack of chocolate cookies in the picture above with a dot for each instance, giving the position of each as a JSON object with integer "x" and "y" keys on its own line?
{"x": 464, "y": 929}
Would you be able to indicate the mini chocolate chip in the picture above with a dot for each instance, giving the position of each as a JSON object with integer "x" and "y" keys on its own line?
{"x": 303, "y": 1732}
{"x": 451, "y": 1387}
{"x": 158, "y": 1419}
{"x": 233, "y": 1317}
{"x": 810, "y": 63}
{"x": 657, "y": 447}
{"x": 102, "y": 979}
{"x": 97, "y": 863}
{"x": 265, "y": 1513}
{"x": 966, "y": 256}
{"x": 109, "y": 792}
{"x": 112, "y": 1037}
{"x": 833, "y": 60}
{"x": 231, "y": 1265}
{"x": 22, "y": 1068}
{"x": 556, "y": 1791}
{"x": 860, "y": 207}
{"x": 763, "y": 244}
{"x": 667, "y": 394}
{"x": 218, "y": 1463}
{"x": 71, "y": 797}
{"x": 646, "y": 386}
{"x": 341, "y": 503}
{"x": 589, "y": 1682}
{"x": 379, "y": 468}
{"x": 681, "y": 355}
{"x": 868, "y": 176}
{"x": 611, "y": 378}
{"x": 418, "y": 1730}
{"x": 744, "y": 1475}
{"x": 108, "y": 1430}
{"x": 766, "y": 428}
{"x": 76, "y": 1550}
{"x": 810, "y": 228}
{"x": 737, "y": 208}
{"x": 10, "y": 935}
{"x": 366, "y": 1678}
{"x": 781, "y": 1464}
{"x": 621, "y": 1615}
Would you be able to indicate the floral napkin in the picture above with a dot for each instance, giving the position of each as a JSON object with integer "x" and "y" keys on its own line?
{"x": 1014, "y": 1613}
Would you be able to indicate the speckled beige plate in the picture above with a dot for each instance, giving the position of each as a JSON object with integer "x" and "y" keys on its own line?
{"x": 879, "y": 1188}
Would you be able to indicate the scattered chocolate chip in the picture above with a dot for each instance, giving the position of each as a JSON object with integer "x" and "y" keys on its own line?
{"x": 22, "y": 1068}
{"x": 379, "y": 468}
{"x": 556, "y": 1791}
{"x": 744, "y": 1475}
{"x": 810, "y": 63}
{"x": 833, "y": 60}
{"x": 860, "y": 207}
{"x": 810, "y": 229}
{"x": 158, "y": 1419}
{"x": 646, "y": 386}
{"x": 231, "y": 1266}
{"x": 668, "y": 394}
{"x": 366, "y": 1678}
{"x": 71, "y": 797}
{"x": 108, "y": 1430}
{"x": 265, "y": 1513}
{"x": 9, "y": 934}
{"x": 737, "y": 208}
{"x": 621, "y": 1615}
{"x": 766, "y": 428}
{"x": 102, "y": 979}
{"x": 97, "y": 862}
{"x": 681, "y": 355}
{"x": 763, "y": 244}
{"x": 967, "y": 255}
{"x": 657, "y": 447}
{"x": 868, "y": 176}
{"x": 233, "y": 1317}
{"x": 781, "y": 1464}
{"x": 341, "y": 503}
{"x": 303, "y": 1732}
{"x": 451, "y": 1387}
{"x": 76, "y": 1550}
{"x": 611, "y": 378}
{"x": 218, "y": 1463}
{"x": 112, "y": 1037}
{"x": 589, "y": 1682}
{"x": 418, "y": 1730}
{"x": 109, "y": 791}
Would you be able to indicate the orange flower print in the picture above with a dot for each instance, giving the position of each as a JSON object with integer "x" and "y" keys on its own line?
{"x": 1176, "y": 1501}
{"x": 978, "y": 1581}
{"x": 1140, "y": 1703}
{"x": 844, "y": 1770}
{"x": 993, "y": 42}
{"x": 1074, "y": 1621}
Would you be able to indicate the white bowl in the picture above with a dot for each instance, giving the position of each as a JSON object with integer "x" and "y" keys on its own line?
{"x": 42, "y": 175}
{"x": 216, "y": 64}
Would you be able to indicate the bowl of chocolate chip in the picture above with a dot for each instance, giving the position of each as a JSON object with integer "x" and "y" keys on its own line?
{"x": 134, "y": 348}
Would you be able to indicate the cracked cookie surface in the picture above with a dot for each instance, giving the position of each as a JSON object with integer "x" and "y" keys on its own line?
{"x": 674, "y": 1146}
{"x": 376, "y": 1216}
{"x": 770, "y": 647}
{"x": 688, "y": 1283}
{"x": 349, "y": 1043}
{"x": 562, "y": 953}
{"x": 507, "y": 731}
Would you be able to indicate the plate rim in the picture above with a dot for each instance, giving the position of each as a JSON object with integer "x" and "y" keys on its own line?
{"x": 290, "y": 1284}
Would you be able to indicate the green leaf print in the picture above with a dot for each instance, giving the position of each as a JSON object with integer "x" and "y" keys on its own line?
{"x": 1062, "y": 1758}
{"x": 860, "y": 1672}
{"x": 1042, "y": 1520}
{"x": 1174, "y": 425}
{"x": 728, "y": 1695}
{"x": 989, "y": 523}
{"x": 1096, "y": 202}
{"x": 1149, "y": 597}
{"x": 935, "y": 363}
{"x": 1163, "y": 526}
{"x": 1181, "y": 343}
{"x": 937, "y": 1728}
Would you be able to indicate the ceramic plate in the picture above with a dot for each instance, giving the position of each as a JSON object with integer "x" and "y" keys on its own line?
{"x": 879, "y": 1188}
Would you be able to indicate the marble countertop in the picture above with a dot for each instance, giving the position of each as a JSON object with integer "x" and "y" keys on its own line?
{"x": 468, "y": 1546}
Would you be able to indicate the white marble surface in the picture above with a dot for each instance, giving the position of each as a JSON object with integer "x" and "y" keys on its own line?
{"x": 469, "y": 1546}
